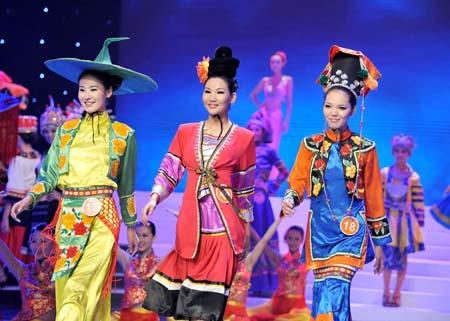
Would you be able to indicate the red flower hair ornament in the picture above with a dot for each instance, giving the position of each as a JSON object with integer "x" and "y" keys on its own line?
{"x": 202, "y": 69}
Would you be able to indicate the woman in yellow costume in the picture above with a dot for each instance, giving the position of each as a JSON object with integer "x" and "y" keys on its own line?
{"x": 403, "y": 203}
{"x": 89, "y": 159}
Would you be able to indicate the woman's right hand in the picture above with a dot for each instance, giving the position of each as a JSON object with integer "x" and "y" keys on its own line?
{"x": 149, "y": 208}
{"x": 20, "y": 206}
{"x": 287, "y": 207}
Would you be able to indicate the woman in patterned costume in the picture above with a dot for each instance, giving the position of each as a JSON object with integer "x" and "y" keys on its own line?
{"x": 89, "y": 159}
{"x": 339, "y": 171}
{"x": 36, "y": 287}
{"x": 403, "y": 202}
{"x": 264, "y": 276}
{"x": 441, "y": 211}
{"x": 138, "y": 268}
{"x": 194, "y": 279}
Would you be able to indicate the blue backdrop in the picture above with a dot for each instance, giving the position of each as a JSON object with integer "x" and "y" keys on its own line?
{"x": 407, "y": 40}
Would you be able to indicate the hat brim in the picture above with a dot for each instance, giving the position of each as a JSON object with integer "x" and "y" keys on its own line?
{"x": 7, "y": 102}
{"x": 133, "y": 82}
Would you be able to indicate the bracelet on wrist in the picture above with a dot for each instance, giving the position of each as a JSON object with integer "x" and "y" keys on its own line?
{"x": 158, "y": 197}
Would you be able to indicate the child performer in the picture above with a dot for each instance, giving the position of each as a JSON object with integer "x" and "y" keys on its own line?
{"x": 236, "y": 304}
{"x": 138, "y": 268}
{"x": 288, "y": 301}
{"x": 36, "y": 288}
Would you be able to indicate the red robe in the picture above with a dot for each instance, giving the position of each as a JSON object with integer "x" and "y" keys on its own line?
{"x": 234, "y": 164}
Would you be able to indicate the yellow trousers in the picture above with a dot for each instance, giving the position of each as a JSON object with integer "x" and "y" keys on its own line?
{"x": 79, "y": 295}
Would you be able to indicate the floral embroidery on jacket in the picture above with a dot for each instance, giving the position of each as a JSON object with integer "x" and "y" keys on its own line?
{"x": 349, "y": 149}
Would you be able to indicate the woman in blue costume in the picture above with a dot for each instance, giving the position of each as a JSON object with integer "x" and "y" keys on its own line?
{"x": 441, "y": 210}
{"x": 339, "y": 171}
{"x": 264, "y": 276}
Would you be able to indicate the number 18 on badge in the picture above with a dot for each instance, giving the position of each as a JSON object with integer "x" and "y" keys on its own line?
{"x": 349, "y": 225}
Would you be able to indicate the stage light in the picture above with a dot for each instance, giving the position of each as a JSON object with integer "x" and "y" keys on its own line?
{"x": 77, "y": 44}
{"x": 45, "y": 9}
{"x": 42, "y": 41}
{"x": 33, "y": 100}
{"x": 65, "y": 92}
{"x": 42, "y": 75}
{"x": 2, "y": 41}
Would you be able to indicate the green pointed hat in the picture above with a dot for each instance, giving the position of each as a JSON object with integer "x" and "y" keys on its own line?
{"x": 133, "y": 82}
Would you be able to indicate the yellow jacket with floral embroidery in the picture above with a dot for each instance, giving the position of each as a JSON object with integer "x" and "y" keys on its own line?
{"x": 122, "y": 164}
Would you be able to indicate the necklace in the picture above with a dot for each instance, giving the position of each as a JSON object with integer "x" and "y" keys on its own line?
{"x": 227, "y": 126}
{"x": 348, "y": 224}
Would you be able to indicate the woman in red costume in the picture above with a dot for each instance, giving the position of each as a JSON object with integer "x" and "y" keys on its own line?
{"x": 21, "y": 177}
{"x": 194, "y": 279}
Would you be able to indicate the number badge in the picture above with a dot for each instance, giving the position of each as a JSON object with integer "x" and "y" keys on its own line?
{"x": 91, "y": 206}
{"x": 349, "y": 225}
{"x": 221, "y": 197}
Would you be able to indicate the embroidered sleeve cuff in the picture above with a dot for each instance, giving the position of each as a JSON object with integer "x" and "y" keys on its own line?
{"x": 35, "y": 201}
{"x": 38, "y": 191}
{"x": 131, "y": 223}
{"x": 379, "y": 230}
{"x": 128, "y": 210}
{"x": 290, "y": 193}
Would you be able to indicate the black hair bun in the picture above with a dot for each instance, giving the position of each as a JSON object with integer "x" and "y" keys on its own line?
{"x": 223, "y": 51}
{"x": 223, "y": 64}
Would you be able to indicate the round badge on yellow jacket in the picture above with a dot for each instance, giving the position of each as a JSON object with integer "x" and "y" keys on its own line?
{"x": 92, "y": 206}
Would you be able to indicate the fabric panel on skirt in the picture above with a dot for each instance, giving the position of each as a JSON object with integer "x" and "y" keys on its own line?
{"x": 197, "y": 288}
{"x": 79, "y": 295}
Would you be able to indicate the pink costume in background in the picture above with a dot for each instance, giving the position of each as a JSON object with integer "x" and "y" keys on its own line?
{"x": 274, "y": 96}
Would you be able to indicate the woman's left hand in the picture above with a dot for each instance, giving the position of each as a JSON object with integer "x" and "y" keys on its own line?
{"x": 379, "y": 260}
{"x": 287, "y": 207}
{"x": 132, "y": 241}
